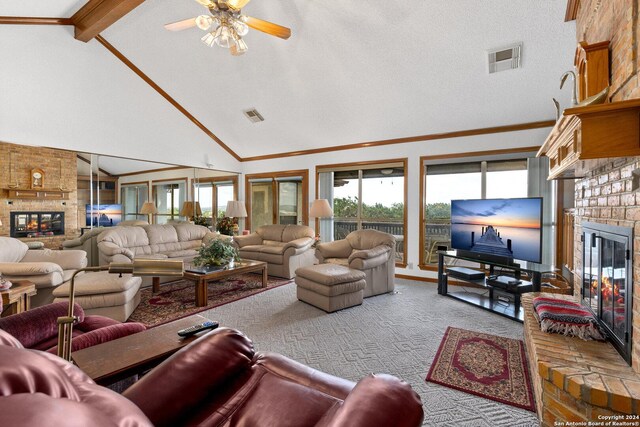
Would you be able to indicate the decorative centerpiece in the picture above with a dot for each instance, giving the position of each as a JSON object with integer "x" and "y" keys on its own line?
{"x": 226, "y": 225}
{"x": 217, "y": 252}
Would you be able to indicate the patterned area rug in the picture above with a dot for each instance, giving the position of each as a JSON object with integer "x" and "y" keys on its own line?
{"x": 485, "y": 365}
{"x": 177, "y": 299}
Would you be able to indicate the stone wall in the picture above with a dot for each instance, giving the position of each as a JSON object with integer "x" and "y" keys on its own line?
{"x": 16, "y": 163}
{"x": 605, "y": 195}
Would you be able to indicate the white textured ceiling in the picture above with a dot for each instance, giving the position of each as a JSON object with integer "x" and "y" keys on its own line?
{"x": 351, "y": 72}
{"x": 41, "y": 8}
{"x": 356, "y": 71}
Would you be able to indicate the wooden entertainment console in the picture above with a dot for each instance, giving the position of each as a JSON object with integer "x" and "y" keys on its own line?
{"x": 491, "y": 293}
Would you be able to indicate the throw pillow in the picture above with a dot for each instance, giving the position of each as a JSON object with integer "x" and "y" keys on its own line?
{"x": 566, "y": 318}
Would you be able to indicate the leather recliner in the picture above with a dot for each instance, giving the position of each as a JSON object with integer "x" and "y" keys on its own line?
{"x": 218, "y": 380}
{"x": 370, "y": 251}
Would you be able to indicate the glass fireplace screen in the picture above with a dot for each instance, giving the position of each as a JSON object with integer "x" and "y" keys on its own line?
{"x": 36, "y": 224}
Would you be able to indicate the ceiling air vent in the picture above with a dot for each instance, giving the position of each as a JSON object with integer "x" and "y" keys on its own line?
{"x": 254, "y": 116}
{"x": 505, "y": 58}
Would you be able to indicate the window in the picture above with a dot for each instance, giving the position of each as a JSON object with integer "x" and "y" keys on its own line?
{"x": 277, "y": 198}
{"x": 471, "y": 179}
{"x": 132, "y": 197}
{"x": 365, "y": 196}
{"x": 168, "y": 197}
{"x": 213, "y": 195}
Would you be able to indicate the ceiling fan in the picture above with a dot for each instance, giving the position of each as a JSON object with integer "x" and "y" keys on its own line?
{"x": 229, "y": 25}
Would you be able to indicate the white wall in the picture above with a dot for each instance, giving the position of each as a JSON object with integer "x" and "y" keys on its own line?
{"x": 411, "y": 151}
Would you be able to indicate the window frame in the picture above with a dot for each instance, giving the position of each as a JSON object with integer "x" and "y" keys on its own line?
{"x": 304, "y": 173}
{"x": 465, "y": 157}
{"x": 373, "y": 164}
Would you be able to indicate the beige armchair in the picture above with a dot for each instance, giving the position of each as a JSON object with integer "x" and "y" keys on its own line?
{"x": 285, "y": 248}
{"x": 46, "y": 268}
{"x": 370, "y": 251}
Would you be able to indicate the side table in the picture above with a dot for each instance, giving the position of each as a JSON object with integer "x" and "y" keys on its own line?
{"x": 17, "y": 298}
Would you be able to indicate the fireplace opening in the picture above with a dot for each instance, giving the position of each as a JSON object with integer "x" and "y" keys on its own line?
{"x": 37, "y": 224}
{"x": 607, "y": 281}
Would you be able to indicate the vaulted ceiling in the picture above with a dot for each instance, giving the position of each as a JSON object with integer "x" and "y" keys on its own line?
{"x": 351, "y": 72}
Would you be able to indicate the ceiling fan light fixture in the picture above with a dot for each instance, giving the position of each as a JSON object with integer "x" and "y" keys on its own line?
{"x": 239, "y": 48}
{"x": 204, "y": 22}
{"x": 224, "y": 37}
{"x": 208, "y": 39}
{"x": 240, "y": 27}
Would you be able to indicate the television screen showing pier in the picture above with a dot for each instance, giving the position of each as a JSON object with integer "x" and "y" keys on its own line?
{"x": 103, "y": 215}
{"x": 510, "y": 228}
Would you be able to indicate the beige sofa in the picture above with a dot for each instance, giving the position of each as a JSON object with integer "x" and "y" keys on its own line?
{"x": 370, "y": 251}
{"x": 284, "y": 248}
{"x": 157, "y": 241}
{"x": 46, "y": 268}
{"x": 88, "y": 241}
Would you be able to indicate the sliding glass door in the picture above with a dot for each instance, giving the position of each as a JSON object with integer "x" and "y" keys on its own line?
{"x": 132, "y": 197}
{"x": 169, "y": 197}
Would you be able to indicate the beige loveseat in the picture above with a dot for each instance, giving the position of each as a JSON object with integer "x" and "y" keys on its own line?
{"x": 157, "y": 241}
{"x": 284, "y": 248}
{"x": 370, "y": 251}
{"x": 46, "y": 268}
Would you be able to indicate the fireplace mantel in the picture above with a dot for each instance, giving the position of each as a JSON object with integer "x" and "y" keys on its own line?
{"x": 28, "y": 193}
{"x": 585, "y": 136}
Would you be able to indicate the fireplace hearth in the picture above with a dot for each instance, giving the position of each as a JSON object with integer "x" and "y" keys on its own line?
{"x": 37, "y": 224}
{"x": 607, "y": 281}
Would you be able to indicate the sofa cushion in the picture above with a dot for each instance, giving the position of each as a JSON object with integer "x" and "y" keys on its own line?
{"x": 159, "y": 233}
{"x": 42, "y": 280}
{"x": 187, "y": 232}
{"x": 337, "y": 261}
{"x": 330, "y": 274}
{"x": 293, "y": 232}
{"x": 330, "y": 290}
{"x": 262, "y": 256}
{"x": 271, "y": 232}
{"x": 12, "y": 250}
{"x": 125, "y": 236}
{"x": 151, "y": 256}
{"x": 182, "y": 254}
{"x": 113, "y": 299}
{"x": 98, "y": 283}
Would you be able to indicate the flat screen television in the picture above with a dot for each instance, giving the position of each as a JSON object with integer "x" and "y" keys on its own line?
{"x": 498, "y": 229}
{"x": 103, "y": 215}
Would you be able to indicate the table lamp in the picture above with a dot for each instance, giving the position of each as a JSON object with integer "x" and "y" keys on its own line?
{"x": 191, "y": 210}
{"x": 139, "y": 267}
{"x": 235, "y": 209}
{"x": 149, "y": 209}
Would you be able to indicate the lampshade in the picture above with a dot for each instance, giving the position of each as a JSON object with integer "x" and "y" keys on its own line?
{"x": 148, "y": 208}
{"x": 188, "y": 209}
{"x": 320, "y": 209}
{"x": 235, "y": 209}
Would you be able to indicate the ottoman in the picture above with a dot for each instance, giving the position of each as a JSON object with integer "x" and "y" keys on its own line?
{"x": 104, "y": 294}
{"x": 330, "y": 287}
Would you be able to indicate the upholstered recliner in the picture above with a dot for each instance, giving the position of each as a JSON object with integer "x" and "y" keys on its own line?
{"x": 46, "y": 268}
{"x": 38, "y": 328}
{"x": 285, "y": 248}
{"x": 217, "y": 380}
{"x": 370, "y": 251}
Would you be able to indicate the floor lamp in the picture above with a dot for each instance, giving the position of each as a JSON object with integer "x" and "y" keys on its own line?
{"x": 320, "y": 208}
{"x": 141, "y": 267}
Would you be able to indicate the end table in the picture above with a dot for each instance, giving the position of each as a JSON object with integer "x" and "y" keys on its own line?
{"x": 17, "y": 298}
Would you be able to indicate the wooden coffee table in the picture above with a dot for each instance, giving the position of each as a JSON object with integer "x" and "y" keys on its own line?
{"x": 17, "y": 298}
{"x": 115, "y": 360}
{"x": 240, "y": 267}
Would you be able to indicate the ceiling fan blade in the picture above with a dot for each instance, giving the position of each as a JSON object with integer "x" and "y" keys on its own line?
{"x": 181, "y": 25}
{"x": 268, "y": 27}
{"x": 206, "y": 3}
{"x": 236, "y": 4}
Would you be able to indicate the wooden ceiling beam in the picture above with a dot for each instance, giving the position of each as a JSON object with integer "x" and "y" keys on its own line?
{"x": 32, "y": 20}
{"x": 572, "y": 10}
{"x": 98, "y": 15}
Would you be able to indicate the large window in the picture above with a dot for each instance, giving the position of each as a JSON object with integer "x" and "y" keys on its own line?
{"x": 168, "y": 197}
{"x": 365, "y": 196}
{"x": 463, "y": 179}
{"x": 277, "y": 198}
{"x": 213, "y": 195}
{"x": 132, "y": 197}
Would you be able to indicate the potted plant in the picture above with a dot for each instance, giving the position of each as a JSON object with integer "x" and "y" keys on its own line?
{"x": 226, "y": 225}
{"x": 217, "y": 252}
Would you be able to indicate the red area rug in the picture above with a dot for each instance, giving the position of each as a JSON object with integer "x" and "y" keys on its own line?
{"x": 485, "y": 365}
{"x": 177, "y": 299}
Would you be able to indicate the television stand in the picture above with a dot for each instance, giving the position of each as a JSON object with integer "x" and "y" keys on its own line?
{"x": 500, "y": 291}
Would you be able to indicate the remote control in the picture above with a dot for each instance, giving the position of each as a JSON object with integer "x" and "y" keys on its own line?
{"x": 187, "y": 332}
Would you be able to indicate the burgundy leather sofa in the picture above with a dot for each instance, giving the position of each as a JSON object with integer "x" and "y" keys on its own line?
{"x": 218, "y": 380}
{"x": 38, "y": 328}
